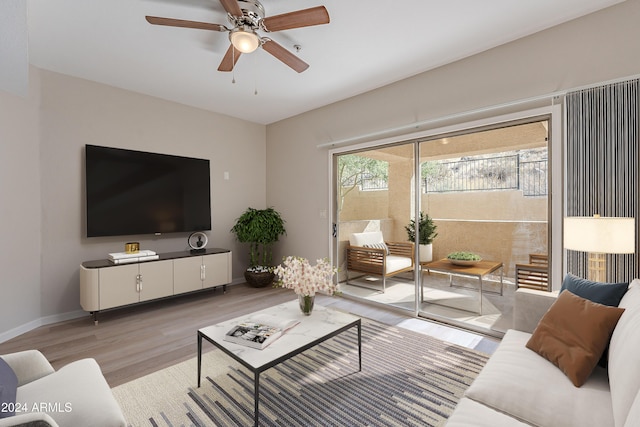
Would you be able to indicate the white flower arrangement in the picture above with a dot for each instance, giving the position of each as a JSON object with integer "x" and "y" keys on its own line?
{"x": 298, "y": 274}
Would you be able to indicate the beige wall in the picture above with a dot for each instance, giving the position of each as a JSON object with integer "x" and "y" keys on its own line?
{"x": 589, "y": 50}
{"x": 43, "y": 187}
{"x": 20, "y": 209}
{"x": 503, "y": 205}
{"x": 365, "y": 204}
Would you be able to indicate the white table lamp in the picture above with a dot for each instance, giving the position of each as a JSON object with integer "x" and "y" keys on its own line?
{"x": 599, "y": 236}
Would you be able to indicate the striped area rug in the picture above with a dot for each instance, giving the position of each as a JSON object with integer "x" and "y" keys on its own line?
{"x": 407, "y": 379}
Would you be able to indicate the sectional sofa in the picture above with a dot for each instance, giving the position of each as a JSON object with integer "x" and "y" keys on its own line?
{"x": 521, "y": 386}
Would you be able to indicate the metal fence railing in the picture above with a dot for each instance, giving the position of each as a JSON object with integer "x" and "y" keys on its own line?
{"x": 372, "y": 184}
{"x": 533, "y": 178}
{"x": 478, "y": 174}
{"x": 485, "y": 174}
{"x": 494, "y": 173}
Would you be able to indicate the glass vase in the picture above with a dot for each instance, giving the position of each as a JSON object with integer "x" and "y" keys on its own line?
{"x": 306, "y": 304}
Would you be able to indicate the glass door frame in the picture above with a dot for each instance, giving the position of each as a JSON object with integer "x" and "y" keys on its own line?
{"x": 552, "y": 113}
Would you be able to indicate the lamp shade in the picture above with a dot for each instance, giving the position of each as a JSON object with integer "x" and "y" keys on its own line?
{"x": 244, "y": 41}
{"x": 607, "y": 235}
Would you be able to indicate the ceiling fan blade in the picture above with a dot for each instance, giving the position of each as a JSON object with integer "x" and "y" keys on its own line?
{"x": 230, "y": 59}
{"x": 232, "y": 7}
{"x": 156, "y": 20}
{"x": 300, "y": 18}
{"x": 285, "y": 56}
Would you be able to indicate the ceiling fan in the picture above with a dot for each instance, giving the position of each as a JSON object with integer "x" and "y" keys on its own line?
{"x": 247, "y": 17}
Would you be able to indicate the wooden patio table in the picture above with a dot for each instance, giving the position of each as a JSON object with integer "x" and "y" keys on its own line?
{"x": 479, "y": 270}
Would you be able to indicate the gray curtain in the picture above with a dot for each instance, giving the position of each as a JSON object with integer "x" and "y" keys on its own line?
{"x": 602, "y": 159}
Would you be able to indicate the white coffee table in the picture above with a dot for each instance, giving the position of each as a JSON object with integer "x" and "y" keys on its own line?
{"x": 321, "y": 325}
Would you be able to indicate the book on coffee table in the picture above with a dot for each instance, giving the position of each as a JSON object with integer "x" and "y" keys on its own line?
{"x": 259, "y": 331}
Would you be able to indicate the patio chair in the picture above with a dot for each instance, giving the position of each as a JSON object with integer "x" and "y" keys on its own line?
{"x": 535, "y": 274}
{"x": 368, "y": 253}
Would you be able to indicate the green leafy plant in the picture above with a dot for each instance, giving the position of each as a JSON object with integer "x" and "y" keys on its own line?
{"x": 261, "y": 228}
{"x": 464, "y": 256}
{"x": 354, "y": 168}
{"x": 427, "y": 230}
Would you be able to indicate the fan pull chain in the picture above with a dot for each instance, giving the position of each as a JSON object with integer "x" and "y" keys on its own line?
{"x": 255, "y": 77}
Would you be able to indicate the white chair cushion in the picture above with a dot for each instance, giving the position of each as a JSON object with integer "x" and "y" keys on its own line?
{"x": 624, "y": 369}
{"x": 366, "y": 238}
{"x": 395, "y": 263}
{"x": 79, "y": 396}
{"x": 518, "y": 381}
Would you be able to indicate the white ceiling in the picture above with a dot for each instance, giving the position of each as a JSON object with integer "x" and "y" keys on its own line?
{"x": 368, "y": 44}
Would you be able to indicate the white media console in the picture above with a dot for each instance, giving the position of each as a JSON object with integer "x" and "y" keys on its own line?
{"x": 105, "y": 285}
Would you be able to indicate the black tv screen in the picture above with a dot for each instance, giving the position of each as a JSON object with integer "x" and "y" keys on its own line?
{"x": 134, "y": 192}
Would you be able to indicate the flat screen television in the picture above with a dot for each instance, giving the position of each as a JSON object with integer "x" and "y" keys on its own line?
{"x": 134, "y": 192}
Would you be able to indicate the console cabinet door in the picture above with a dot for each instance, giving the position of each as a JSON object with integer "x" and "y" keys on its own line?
{"x": 156, "y": 279}
{"x": 118, "y": 286}
{"x": 216, "y": 269}
{"x": 187, "y": 274}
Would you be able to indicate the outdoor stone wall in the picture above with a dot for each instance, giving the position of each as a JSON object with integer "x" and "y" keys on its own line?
{"x": 360, "y": 205}
{"x": 498, "y": 225}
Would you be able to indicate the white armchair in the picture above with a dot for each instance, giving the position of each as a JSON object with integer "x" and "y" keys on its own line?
{"x": 75, "y": 395}
{"x": 368, "y": 253}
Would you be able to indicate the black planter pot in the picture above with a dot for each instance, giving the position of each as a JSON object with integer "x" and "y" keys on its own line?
{"x": 259, "y": 280}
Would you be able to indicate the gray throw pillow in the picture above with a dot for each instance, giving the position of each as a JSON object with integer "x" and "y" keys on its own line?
{"x": 602, "y": 293}
{"x": 8, "y": 390}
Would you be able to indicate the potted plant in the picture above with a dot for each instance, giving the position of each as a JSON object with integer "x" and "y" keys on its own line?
{"x": 427, "y": 230}
{"x": 465, "y": 258}
{"x": 261, "y": 228}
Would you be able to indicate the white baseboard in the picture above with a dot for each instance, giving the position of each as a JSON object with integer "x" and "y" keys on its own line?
{"x": 42, "y": 321}
{"x": 55, "y": 318}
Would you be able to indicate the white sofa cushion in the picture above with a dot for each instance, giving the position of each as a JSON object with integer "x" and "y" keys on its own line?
{"x": 624, "y": 369}
{"x": 633, "y": 418}
{"x": 471, "y": 413}
{"x": 519, "y": 382}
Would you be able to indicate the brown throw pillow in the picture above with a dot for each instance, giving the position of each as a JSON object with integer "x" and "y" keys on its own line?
{"x": 573, "y": 335}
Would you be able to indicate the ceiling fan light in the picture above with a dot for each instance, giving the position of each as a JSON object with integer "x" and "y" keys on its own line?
{"x": 244, "y": 41}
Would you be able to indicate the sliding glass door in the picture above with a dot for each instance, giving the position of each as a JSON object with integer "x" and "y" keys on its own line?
{"x": 480, "y": 191}
{"x": 487, "y": 193}
{"x": 374, "y": 194}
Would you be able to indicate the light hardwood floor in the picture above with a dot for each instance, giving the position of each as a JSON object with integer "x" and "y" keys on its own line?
{"x": 132, "y": 342}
